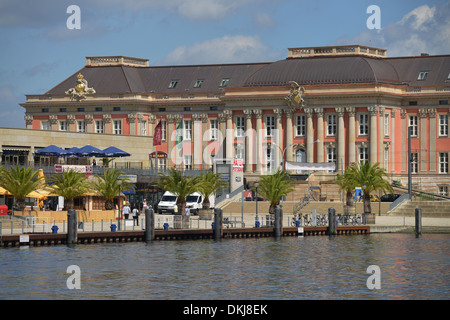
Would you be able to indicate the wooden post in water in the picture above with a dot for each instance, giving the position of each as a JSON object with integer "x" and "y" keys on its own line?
{"x": 331, "y": 221}
{"x": 217, "y": 224}
{"x": 278, "y": 227}
{"x": 72, "y": 227}
{"x": 418, "y": 215}
{"x": 149, "y": 225}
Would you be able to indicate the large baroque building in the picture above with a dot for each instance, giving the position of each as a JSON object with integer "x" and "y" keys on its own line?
{"x": 324, "y": 104}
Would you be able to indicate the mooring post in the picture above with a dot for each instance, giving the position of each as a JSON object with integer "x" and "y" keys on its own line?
{"x": 217, "y": 224}
{"x": 149, "y": 225}
{"x": 331, "y": 221}
{"x": 418, "y": 214}
{"x": 72, "y": 227}
{"x": 278, "y": 228}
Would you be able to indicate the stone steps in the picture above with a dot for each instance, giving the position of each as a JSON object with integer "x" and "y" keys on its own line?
{"x": 429, "y": 209}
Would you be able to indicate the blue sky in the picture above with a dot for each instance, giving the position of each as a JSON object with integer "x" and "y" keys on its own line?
{"x": 38, "y": 50}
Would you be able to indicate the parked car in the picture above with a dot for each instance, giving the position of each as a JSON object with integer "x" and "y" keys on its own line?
{"x": 374, "y": 198}
{"x": 389, "y": 197}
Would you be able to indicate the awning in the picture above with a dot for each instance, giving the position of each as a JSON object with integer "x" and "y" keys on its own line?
{"x": 319, "y": 166}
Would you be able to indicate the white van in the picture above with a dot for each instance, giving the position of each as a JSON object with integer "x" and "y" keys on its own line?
{"x": 167, "y": 203}
{"x": 194, "y": 202}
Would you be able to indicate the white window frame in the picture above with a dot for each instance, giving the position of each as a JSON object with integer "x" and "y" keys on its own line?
{"x": 363, "y": 124}
{"x": 99, "y": 126}
{"x": 443, "y": 162}
{"x": 386, "y": 158}
{"x": 144, "y": 128}
{"x": 270, "y": 160}
{"x": 443, "y": 190}
{"x": 422, "y": 75}
{"x": 270, "y": 125}
{"x": 45, "y": 125}
{"x": 81, "y": 126}
{"x": 187, "y": 130}
{"x": 63, "y": 126}
{"x": 117, "y": 126}
{"x": 331, "y": 156}
{"x": 363, "y": 154}
{"x": 187, "y": 161}
{"x": 413, "y": 122}
{"x": 331, "y": 124}
{"x": 213, "y": 129}
{"x": 387, "y": 124}
{"x": 414, "y": 162}
{"x": 443, "y": 125}
{"x": 239, "y": 153}
{"x": 300, "y": 126}
{"x": 240, "y": 126}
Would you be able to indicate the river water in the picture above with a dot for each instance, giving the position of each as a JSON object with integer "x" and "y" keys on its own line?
{"x": 310, "y": 267}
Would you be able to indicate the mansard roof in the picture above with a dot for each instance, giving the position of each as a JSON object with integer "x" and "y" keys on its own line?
{"x": 350, "y": 69}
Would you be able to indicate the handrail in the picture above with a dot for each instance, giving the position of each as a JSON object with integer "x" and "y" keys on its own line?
{"x": 415, "y": 191}
{"x": 399, "y": 200}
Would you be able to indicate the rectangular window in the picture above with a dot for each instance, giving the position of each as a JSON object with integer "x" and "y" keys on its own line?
{"x": 239, "y": 153}
{"x": 81, "y": 126}
{"x": 224, "y": 82}
{"x": 240, "y": 126}
{"x": 187, "y": 161}
{"x": 443, "y": 190}
{"x": 270, "y": 126}
{"x": 331, "y": 156}
{"x": 300, "y": 126}
{"x": 214, "y": 129}
{"x": 422, "y": 75}
{"x": 387, "y": 117}
{"x": 63, "y": 125}
{"x": 117, "y": 125}
{"x": 163, "y": 131}
{"x": 198, "y": 83}
{"x": 443, "y": 162}
{"x": 363, "y": 154}
{"x": 364, "y": 124}
{"x": 98, "y": 126}
{"x": 413, "y": 125}
{"x": 414, "y": 162}
{"x": 62, "y": 109}
{"x": 270, "y": 161}
{"x": 331, "y": 125}
{"x": 116, "y": 108}
{"x": 44, "y": 110}
{"x": 80, "y": 109}
{"x": 187, "y": 130}
{"x": 45, "y": 125}
{"x": 443, "y": 125}
{"x": 98, "y": 109}
{"x": 173, "y": 84}
{"x": 386, "y": 159}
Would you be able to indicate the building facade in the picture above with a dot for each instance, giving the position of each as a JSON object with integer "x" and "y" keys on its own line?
{"x": 327, "y": 104}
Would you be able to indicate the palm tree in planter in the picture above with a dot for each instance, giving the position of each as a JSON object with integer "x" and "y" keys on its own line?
{"x": 210, "y": 183}
{"x": 20, "y": 181}
{"x": 179, "y": 185}
{"x": 273, "y": 187}
{"x": 346, "y": 185}
{"x": 109, "y": 185}
{"x": 370, "y": 178}
{"x": 69, "y": 185}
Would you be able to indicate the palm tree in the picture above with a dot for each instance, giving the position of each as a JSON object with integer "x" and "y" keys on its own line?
{"x": 20, "y": 181}
{"x": 69, "y": 185}
{"x": 179, "y": 185}
{"x": 346, "y": 185}
{"x": 370, "y": 178}
{"x": 273, "y": 187}
{"x": 108, "y": 186}
{"x": 210, "y": 183}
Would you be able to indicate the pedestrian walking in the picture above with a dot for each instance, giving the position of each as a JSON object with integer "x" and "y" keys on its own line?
{"x": 135, "y": 216}
{"x": 126, "y": 211}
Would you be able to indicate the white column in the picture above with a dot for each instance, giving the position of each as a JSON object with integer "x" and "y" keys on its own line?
{"x": 341, "y": 140}
{"x": 279, "y": 136}
{"x": 423, "y": 115}
{"x": 197, "y": 137}
{"x": 259, "y": 141}
{"x": 229, "y": 134}
{"x": 289, "y": 135}
{"x": 249, "y": 159}
{"x": 320, "y": 136}
{"x": 373, "y": 110}
{"x": 351, "y": 135}
{"x": 309, "y": 136}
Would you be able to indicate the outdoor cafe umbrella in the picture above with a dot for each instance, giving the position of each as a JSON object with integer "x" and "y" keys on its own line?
{"x": 115, "y": 152}
{"x": 72, "y": 152}
{"x": 51, "y": 150}
{"x": 89, "y": 151}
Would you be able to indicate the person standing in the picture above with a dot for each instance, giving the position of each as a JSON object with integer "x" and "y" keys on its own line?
{"x": 135, "y": 216}
{"x": 126, "y": 211}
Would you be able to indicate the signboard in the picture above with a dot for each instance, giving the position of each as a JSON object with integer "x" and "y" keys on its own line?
{"x": 64, "y": 167}
{"x": 159, "y": 154}
{"x": 24, "y": 238}
{"x": 238, "y": 165}
{"x": 318, "y": 166}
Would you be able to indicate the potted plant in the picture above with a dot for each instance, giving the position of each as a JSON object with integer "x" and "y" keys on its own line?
{"x": 210, "y": 183}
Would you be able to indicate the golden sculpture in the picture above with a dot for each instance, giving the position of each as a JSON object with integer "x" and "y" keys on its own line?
{"x": 81, "y": 89}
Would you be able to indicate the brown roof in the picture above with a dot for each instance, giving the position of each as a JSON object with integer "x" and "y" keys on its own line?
{"x": 314, "y": 70}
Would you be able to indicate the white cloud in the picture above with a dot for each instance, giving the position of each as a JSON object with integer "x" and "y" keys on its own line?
{"x": 227, "y": 49}
{"x": 422, "y": 30}
{"x": 264, "y": 20}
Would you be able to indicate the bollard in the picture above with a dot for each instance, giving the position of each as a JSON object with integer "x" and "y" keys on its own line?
{"x": 278, "y": 228}
{"x": 217, "y": 224}
{"x": 72, "y": 227}
{"x": 149, "y": 225}
{"x": 418, "y": 214}
{"x": 331, "y": 221}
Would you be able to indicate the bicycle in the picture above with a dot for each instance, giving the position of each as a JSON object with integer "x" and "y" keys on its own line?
{"x": 356, "y": 219}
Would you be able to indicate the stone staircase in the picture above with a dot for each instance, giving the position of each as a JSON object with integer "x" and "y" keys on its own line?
{"x": 436, "y": 209}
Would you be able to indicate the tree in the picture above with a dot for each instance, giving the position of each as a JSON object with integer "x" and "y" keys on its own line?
{"x": 108, "y": 186}
{"x": 273, "y": 187}
{"x": 370, "y": 178}
{"x": 346, "y": 185}
{"x": 209, "y": 184}
{"x": 69, "y": 185}
{"x": 179, "y": 185}
{"x": 20, "y": 181}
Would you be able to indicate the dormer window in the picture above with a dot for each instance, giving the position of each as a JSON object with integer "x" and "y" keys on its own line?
{"x": 198, "y": 83}
{"x": 422, "y": 75}
{"x": 173, "y": 84}
{"x": 224, "y": 82}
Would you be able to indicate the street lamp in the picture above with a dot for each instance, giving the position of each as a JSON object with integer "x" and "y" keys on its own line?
{"x": 283, "y": 163}
{"x": 309, "y": 175}
{"x": 256, "y": 196}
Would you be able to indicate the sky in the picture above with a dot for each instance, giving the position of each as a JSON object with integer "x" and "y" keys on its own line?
{"x": 40, "y": 48}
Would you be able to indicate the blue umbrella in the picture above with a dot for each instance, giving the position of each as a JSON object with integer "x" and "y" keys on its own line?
{"x": 90, "y": 151}
{"x": 72, "y": 152}
{"x": 50, "y": 151}
{"x": 115, "y": 152}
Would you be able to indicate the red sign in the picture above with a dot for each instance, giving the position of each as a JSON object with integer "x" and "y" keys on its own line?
{"x": 238, "y": 165}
